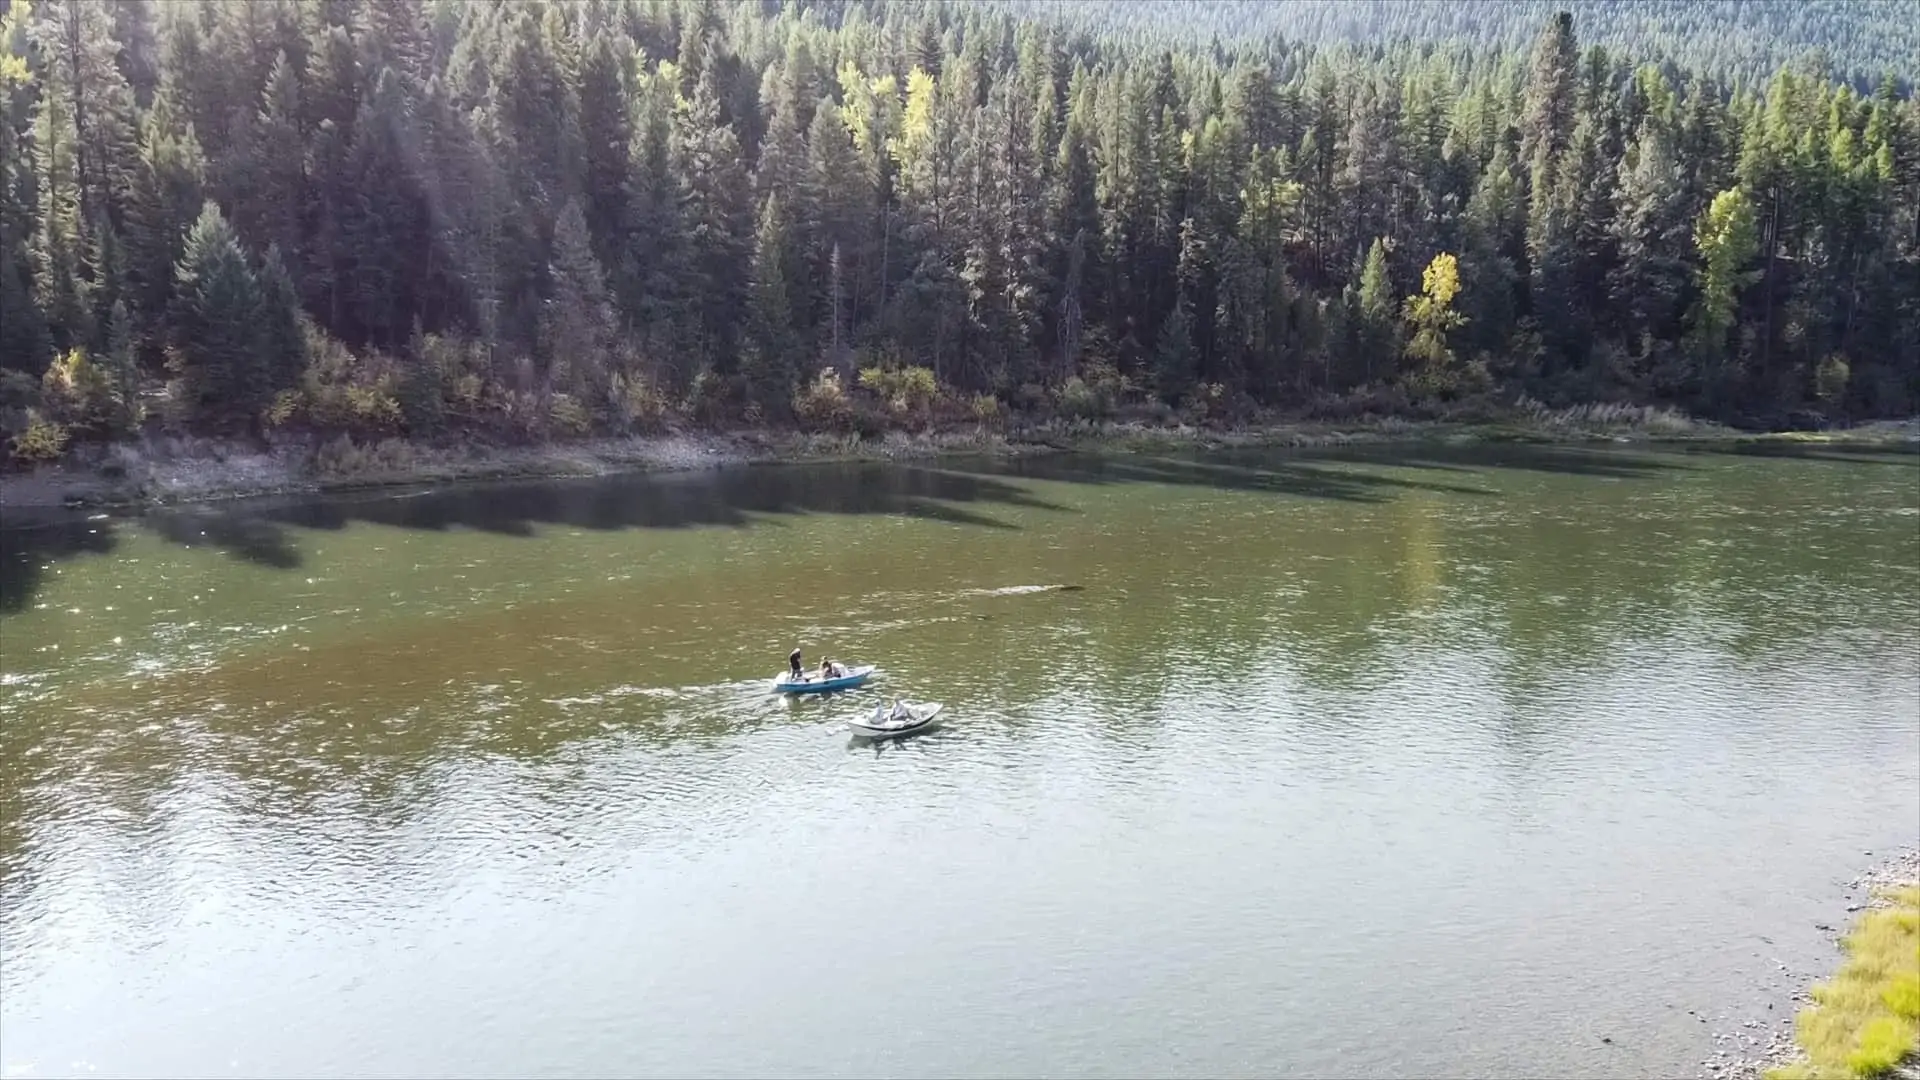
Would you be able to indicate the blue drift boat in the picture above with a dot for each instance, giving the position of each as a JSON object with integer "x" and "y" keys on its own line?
{"x": 813, "y": 683}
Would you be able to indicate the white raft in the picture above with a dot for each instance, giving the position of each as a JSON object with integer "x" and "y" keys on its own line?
{"x": 902, "y": 719}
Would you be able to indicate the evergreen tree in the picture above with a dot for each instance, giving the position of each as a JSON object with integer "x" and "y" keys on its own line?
{"x": 772, "y": 346}
{"x": 1651, "y": 230}
{"x": 1547, "y": 119}
{"x": 577, "y": 327}
{"x": 168, "y": 193}
{"x": 282, "y": 342}
{"x": 122, "y": 369}
{"x": 1174, "y": 357}
{"x": 706, "y": 154}
{"x": 216, "y": 314}
{"x": 606, "y": 139}
{"x": 1376, "y": 314}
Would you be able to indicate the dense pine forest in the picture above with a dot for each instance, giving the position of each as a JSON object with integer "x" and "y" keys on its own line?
{"x": 1733, "y": 41}
{"x": 534, "y": 219}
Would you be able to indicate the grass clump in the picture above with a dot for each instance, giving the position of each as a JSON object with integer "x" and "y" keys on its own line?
{"x": 1866, "y": 1020}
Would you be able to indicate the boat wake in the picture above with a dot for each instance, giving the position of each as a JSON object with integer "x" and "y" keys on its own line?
{"x": 1023, "y": 590}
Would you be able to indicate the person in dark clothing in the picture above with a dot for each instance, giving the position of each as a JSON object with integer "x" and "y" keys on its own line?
{"x": 793, "y": 666}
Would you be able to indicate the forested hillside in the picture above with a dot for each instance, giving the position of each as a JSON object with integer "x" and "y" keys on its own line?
{"x": 537, "y": 218}
{"x": 1729, "y": 40}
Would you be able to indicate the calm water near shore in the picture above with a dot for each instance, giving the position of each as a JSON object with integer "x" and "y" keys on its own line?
{"x": 1416, "y": 761}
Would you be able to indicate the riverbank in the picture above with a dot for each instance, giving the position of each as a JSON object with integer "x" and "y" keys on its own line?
{"x": 1820, "y": 1038}
{"x": 175, "y": 469}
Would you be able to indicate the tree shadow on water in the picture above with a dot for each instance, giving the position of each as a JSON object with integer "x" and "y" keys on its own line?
{"x": 262, "y": 531}
{"x": 1335, "y": 473}
{"x": 1598, "y": 462}
{"x": 250, "y": 538}
{"x": 1238, "y": 472}
{"x": 28, "y": 551}
{"x": 732, "y": 498}
{"x": 1907, "y": 454}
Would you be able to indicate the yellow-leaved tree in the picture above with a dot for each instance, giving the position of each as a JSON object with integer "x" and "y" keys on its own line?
{"x": 1430, "y": 316}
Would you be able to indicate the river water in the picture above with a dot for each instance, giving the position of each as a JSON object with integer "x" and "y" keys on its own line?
{"x": 1408, "y": 761}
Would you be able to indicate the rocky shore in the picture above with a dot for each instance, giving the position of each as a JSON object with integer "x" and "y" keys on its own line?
{"x": 1749, "y": 1050}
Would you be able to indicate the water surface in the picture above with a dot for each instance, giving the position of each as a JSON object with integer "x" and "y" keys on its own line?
{"x": 1415, "y": 761}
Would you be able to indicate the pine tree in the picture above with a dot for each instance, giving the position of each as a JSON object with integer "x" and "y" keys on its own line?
{"x": 1651, "y": 231}
{"x": 1494, "y": 230}
{"x": 122, "y": 369}
{"x": 1174, "y": 357}
{"x": 282, "y": 344}
{"x": 606, "y": 139}
{"x": 215, "y": 319}
{"x": 1550, "y": 259}
{"x": 577, "y": 327}
{"x": 706, "y": 154}
{"x": 783, "y": 153}
{"x": 651, "y": 280}
{"x": 841, "y": 229}
{"x": 95, "y": 105}
{"x": 384, "y": 233}
{"x": 25, "y": 343}
{"x": 1375, "y": 304}
{"x": 1552, "y": 85}
{"x": 772, "y": 345}
{"x": 276, "y": 192}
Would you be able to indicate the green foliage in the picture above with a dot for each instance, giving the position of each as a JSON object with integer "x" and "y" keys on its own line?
{"x": 638, "y": 403}
{"x": 908, "y": 391}
{"x": 713, "y": 399}
{"x": 43, "y": 440}
{"x": 986, "y": 411}
{"x": 822, "y": 405}
{"x": 1728, "y": 239}
{"x": 568, "y": 416}
{"x": 79, "y": 393}
{"x": 343, "y": 392}
{"x": 1174, "y": 356}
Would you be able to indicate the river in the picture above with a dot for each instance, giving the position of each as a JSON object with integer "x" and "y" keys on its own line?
{"x": 1418, "y": 761}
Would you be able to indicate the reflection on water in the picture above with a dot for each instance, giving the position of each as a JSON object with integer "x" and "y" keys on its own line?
{"x": 490, "y": 780}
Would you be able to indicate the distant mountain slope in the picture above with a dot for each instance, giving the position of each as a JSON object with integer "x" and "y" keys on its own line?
{"x": 1748, "y": 39}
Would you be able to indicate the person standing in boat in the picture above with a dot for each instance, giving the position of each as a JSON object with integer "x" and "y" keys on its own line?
{"x": 794, "y": 668}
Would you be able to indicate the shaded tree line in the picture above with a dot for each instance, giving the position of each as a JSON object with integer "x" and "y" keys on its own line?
{"x": 407, "y": 215}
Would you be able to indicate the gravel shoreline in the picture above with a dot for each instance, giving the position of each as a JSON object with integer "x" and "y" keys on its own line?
{"x": 160, "y": 469}
{"x": 1747, "y": 1052}
{"x": 165, "y": 471}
